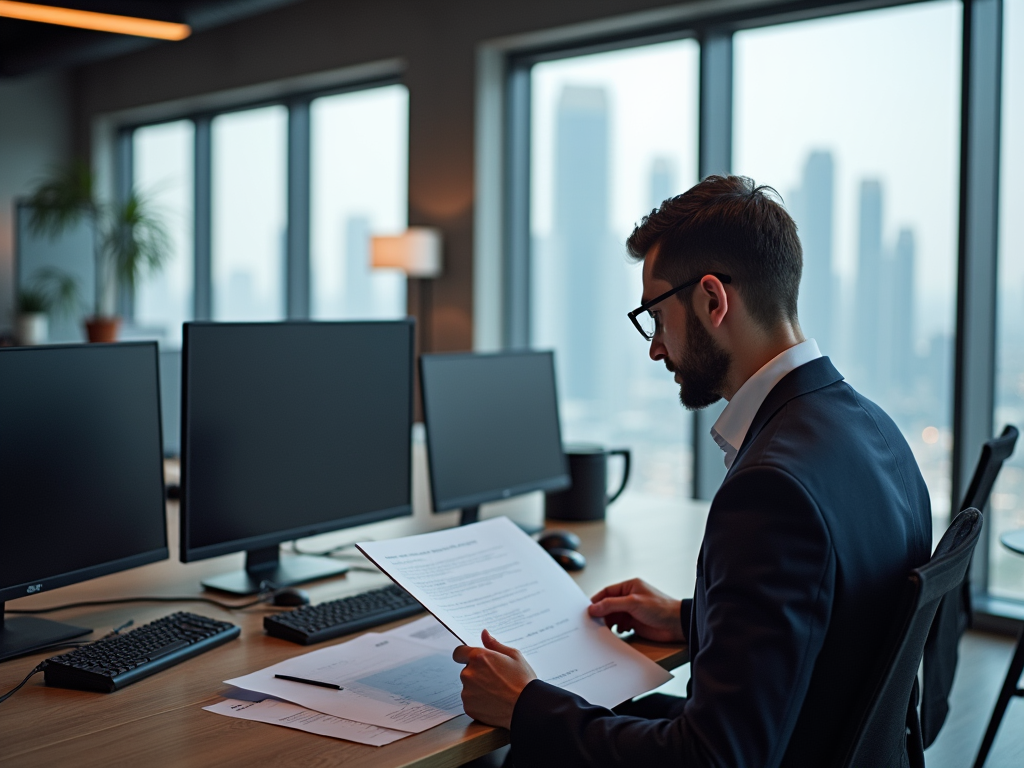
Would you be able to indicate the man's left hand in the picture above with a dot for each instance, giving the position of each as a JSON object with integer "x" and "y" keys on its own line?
{"x": 494, "y": 677}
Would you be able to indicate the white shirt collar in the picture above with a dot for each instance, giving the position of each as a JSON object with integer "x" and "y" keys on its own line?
{"x": 732, "y": 426}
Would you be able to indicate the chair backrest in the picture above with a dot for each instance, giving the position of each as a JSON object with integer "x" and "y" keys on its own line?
{"x": 954, "y": 613}
{"x": 888, "y": 715}
{"x": 993, "y": 453}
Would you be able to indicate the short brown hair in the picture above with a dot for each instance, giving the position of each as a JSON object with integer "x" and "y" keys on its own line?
{"x": 728, "y": 224}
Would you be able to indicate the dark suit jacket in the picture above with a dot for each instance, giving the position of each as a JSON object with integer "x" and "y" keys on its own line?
{"x": 808, "y": 545}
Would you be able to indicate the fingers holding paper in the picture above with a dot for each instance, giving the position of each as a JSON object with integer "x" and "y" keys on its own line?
{"x": 492, "y": 680}
{"x": 636, "y": 605}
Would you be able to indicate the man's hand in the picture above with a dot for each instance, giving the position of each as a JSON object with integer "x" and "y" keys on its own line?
{"x": 635, "y": 604}
{"x": 494, "y": 677}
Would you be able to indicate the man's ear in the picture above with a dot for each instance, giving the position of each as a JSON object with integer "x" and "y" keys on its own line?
{"x": 711, "y": 294}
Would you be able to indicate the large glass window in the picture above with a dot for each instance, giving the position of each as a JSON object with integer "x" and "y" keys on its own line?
{"x": 855, "y": 121}
{"x": 359, "y": 188}
{"x": 612, "y": 135}
{"x": 162, "y": 170}
{"x": 1006, "y": 576}
{"x": 249, "y": 214}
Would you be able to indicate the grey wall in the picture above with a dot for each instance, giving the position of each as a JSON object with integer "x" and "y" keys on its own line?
{"x": 35, "y": 133}
{"x": 438, "y": 41}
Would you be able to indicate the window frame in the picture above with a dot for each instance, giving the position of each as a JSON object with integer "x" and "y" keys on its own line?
{"x": 298, "y": 206}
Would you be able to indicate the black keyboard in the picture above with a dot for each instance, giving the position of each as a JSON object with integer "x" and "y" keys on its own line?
{"x": 316, "y": 623}
{"x": 115, "y": 662}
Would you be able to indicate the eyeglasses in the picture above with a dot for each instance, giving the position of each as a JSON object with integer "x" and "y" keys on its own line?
{"x": 647, "y": 322}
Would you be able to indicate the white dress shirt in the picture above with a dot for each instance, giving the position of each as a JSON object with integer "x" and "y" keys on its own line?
{"x": 732, "y": 426}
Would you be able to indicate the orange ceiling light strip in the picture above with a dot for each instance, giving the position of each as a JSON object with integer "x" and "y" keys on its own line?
{"x": 104, "y": 22}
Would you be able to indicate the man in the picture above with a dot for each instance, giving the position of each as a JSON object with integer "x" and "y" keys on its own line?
{"x": 808, "y": 542}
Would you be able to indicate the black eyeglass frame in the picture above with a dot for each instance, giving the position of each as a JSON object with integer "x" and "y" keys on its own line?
{"x": 671, "y": 292}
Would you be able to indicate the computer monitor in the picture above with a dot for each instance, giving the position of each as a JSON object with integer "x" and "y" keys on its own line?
{"x": 81, "y": 474}
{"x": 289, "y": 430}
{"x": 492, "y": 428}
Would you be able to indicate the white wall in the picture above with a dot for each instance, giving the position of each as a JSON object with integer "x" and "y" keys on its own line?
{"x": 35, "y": 134}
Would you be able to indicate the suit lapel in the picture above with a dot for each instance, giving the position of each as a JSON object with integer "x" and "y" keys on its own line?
{"x": 807, "y": 378}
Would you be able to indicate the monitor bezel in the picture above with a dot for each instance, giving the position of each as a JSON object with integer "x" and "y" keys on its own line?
{"x": 553, "y": 483}
{"x": 38, "y": 586}
{"x": 193, "y": 554}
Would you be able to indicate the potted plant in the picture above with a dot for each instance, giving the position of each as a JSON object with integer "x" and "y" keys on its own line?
{"x": 52, "y": 292}
{"x": 129, "y": 239}
{"x": 31, "y": 326}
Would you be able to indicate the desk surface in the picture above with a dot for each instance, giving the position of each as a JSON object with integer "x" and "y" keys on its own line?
{"x": 159, "y": 721}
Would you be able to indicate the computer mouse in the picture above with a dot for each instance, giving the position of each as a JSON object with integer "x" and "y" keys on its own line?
{"x": 559, "y": 540}
{"x": 569, "y": 559}
{"x": 289, "y": 597}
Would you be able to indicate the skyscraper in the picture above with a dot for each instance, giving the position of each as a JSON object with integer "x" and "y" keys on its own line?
{"x": 813, "y": 211}
{"x": 580, "y": 228}
{"x": 868, "y": 299}
{"x": 663, "y": 181}
{"x": 358, "y": 290}
{"x": 900, "y": 335}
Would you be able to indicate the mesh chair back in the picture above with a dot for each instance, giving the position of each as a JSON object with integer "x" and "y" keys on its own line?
{"x": 954, "y": 613}
{"x": 889, "y": 715}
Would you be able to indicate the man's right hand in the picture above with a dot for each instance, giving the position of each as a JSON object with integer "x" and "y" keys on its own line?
{"x": 636, "y": 605}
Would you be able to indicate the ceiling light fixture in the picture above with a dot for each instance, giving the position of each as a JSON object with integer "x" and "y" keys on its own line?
{"x": 104, "y": 22}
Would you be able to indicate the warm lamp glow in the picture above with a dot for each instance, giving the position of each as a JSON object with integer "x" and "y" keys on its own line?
{"x": 417, "y": 252}
{"x": 103, "y": 22}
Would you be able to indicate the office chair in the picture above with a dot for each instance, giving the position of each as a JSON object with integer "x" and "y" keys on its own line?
{"x": 887, "y": 730}
{"x": 954, "y": 613}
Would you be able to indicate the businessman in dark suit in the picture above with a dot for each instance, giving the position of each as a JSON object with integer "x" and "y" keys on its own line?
{"x": 820, "y": 518}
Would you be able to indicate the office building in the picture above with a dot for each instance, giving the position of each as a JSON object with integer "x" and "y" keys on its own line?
{"x": 814, "y": 217}
{"x": 580, "y": 221}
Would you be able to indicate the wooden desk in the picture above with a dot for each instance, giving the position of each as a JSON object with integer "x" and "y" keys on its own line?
{"x": 159, "y": 721}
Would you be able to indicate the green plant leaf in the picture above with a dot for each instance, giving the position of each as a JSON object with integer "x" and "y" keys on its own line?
{"x": 61, "y": 200}
{"x": 137, "y": 242}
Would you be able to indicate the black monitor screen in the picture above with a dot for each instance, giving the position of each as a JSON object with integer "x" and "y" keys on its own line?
{"x": 81, "y": 464}
{"x": 292, "y": 429}
{"x": 492, "y": 426}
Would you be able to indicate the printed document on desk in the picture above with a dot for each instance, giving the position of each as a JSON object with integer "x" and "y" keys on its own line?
{"x": 386, "y": 681}
{"x": 490, "y": 575}
{"x": 290, "y": 715}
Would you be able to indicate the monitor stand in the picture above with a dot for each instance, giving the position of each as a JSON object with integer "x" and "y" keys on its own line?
{"x": 267, "y": 565}
{"x": 472, "y": 515}
{"x": 24, "y": 634}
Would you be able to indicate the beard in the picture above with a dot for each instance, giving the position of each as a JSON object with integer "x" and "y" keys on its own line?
{"x": 702, "y": 368}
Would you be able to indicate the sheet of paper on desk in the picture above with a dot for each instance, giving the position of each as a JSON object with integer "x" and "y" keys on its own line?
{"x": 386, "y": 681}
{"x": 293, "y": 716}
{"x": 490, "y": 575}
{"x": 427, "y": 631}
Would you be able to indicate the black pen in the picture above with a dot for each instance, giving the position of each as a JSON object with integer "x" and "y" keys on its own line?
{"x": 309, "y": 682}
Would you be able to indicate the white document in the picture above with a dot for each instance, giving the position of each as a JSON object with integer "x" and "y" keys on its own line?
{"x": 293, "y": 716}
{"x": 490, "y": 575}
{"x": 427, "y": 631}
{"x": 386, "y": 681}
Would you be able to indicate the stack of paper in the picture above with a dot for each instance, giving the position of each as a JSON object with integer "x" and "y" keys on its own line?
{"x": 392, "y": 684}
{"x": 488, "y": 575}
{"x": 491, "y": 575}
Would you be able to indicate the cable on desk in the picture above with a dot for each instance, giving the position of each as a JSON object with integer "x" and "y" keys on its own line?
{"x": 332, "y": 552}
{"x": 59, "y": 646}
{"x": 38, "y": 668}
{"x": 266, "y": 590}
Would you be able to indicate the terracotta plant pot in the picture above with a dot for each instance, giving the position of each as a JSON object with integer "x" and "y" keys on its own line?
{"x": 102, "y": 329}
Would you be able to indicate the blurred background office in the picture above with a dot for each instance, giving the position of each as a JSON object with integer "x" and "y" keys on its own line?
{"x": 280, "y": 136}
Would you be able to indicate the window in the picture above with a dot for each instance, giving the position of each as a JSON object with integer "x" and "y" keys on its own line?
{"x": 612, "y": 135}
{"x": 359, "y": 171}
{"x": 249, "y": 197}
{"x": 162, "y": 170}
{"x": 855, "y": 121}
{"x": 1006, "y": 510}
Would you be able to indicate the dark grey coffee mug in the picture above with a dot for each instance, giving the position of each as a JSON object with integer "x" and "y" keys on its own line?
{"x": 588, "y": 497}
